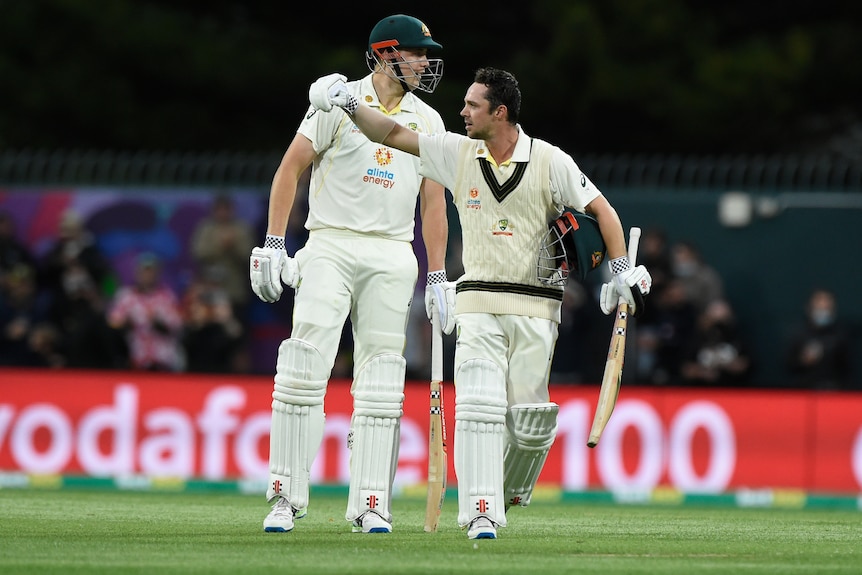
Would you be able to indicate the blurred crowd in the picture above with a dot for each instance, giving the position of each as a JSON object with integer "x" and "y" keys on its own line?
{"x": 66, "y": 308}
{"x": 689, "y": 333}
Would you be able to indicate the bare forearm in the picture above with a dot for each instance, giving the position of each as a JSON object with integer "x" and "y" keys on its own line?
{"x": 281, "y": 197}
{"x": 435, "y": 225}
{"x": 382, "y": 129}
{"x": 610, "y": 226}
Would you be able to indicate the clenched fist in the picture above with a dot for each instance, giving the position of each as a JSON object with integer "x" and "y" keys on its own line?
{"x": 268, "y": 268}
{"x": 631, "y": 285}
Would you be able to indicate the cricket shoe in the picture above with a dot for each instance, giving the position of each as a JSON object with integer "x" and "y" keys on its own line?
{"x": 280, "y": 519}
{"x": 481, "y": 528}
{"x": 371, "y": 522}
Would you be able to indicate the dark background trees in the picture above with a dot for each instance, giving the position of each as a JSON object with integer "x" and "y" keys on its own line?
{"x": 598, "y": 76}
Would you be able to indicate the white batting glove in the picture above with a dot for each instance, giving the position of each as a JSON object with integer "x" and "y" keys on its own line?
{"x": 629, "y": 284}
{"x": 269, "y": 266}
{"x": 330, "y": 91}
{"x": 440, "y": 293}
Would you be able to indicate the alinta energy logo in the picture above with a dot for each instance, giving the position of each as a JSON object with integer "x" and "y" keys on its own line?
{"x": 473, "y": 201}
{"x": 381, "y": 176}
{"x": 383, "y": 156}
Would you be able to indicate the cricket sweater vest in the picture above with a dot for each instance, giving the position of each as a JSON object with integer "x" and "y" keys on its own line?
{"x": 503, "y": 224}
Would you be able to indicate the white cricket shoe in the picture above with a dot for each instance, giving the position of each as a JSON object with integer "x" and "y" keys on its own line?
{"x": 481, "y": 528}
{"x": 280, "y": 519}
{"x": 371, "y": 522}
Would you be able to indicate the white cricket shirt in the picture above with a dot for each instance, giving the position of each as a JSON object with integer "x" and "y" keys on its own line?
{"x": 505, "y": 211}
{"x": 359, "y": 185}
{"x": 570, "y": 187}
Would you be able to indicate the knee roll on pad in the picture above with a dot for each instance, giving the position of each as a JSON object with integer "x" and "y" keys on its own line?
{"x": 531, "y": 429}
{"x": 297, "y": 420}
{"x": 480, "y": 419}
{"x": 375, "y": 435}
{"x": 378, "y": 390}
{"x": 301, "y": 375}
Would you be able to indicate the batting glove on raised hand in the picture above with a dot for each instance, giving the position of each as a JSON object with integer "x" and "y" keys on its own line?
{"x": 440, "y": 293}
{"x": 629, "y": 284}
{"x": 330, "y": 91}
{"x": 269, "y": 266}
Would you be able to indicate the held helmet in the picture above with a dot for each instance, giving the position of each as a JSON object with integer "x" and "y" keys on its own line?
{"x": 573, "y": 244}
{"x": 404, "y": 32}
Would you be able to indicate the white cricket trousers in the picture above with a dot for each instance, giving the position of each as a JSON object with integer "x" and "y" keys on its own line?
{"x": 521, "y": 346}
{"x": 370, "y": 278}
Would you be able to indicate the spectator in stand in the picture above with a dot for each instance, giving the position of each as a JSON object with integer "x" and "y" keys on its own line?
{"x": 701, "y": 282}
{"x": 654, "y": 253}
{"x": 819, "y": 356}
{"x": 716, "y": 355}
{"x": 575, "y": 359}
{"x": 660, "y": 352}
{"x": 45, "y": 347}
{"x": 24, "y": 315}
{"x": 79, "y": 312}
{"x": 212, "y": 336}
{"x": 74, "y": 249}
{"x": 12, "y": 251}
{"x": 220, "y": 245}
{"x": 149, "y": 314}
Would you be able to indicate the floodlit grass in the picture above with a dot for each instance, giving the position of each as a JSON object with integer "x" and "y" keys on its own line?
{"x": 79, "y": 531}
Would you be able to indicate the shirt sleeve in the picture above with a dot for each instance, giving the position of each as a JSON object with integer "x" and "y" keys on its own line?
{"x": 438, "y": 155}
{"x": 319, "y": 127}
{"x": 569, "y": 185}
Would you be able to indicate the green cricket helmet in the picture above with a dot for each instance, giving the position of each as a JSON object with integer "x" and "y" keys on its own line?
{"x": 404, "y": 32}
{"x": 573, "y": 244}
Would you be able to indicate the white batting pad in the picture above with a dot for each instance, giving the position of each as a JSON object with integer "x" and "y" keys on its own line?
{"x": 531, "y": 432}
{"x": 480, "y": 418}
{"x": 297, "y": 420}
{"x": 375, "y": 435}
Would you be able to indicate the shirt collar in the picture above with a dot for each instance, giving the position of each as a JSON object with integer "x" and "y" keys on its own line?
{"x": 520, "y": 154}
{"x": 369, "y": 96}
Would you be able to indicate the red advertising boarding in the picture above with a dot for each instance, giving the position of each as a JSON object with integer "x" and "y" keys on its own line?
{"x": 125, "y": 424}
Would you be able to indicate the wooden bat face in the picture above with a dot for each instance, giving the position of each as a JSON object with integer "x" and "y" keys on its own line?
{"x": 612, "y": 377}
{"x": 437, "y": 459}
{"x": 616, "y": 353}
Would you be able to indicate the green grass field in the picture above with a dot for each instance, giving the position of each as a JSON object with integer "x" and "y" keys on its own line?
{"x": 85, "y": 531}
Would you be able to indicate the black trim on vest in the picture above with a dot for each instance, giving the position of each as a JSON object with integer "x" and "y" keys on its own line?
{"x": 505, "y": 287}
{"x": 501, "y": 192}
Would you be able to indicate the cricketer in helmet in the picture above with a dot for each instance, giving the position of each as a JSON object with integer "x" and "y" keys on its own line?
{"x": 398, "y": 45}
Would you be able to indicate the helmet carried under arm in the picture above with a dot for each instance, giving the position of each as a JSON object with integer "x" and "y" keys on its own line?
{"x": 573, "y": 244}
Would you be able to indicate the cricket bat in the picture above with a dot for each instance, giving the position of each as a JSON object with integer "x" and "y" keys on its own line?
{"x": 612, "y": 377}
{"x": 437, "y": 458}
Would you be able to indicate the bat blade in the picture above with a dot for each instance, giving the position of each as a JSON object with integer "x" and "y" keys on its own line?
{"x": 612, "y": 377}
{"x": 438, "y": 465}
{"x": 613, "y": 374}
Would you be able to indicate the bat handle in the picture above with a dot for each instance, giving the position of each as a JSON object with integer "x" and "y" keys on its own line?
{"x": 634, "y": 240}
{"x": 436, "y": 346}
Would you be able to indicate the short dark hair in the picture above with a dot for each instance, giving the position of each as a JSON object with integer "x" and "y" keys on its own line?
{"x": 502, "y": 90}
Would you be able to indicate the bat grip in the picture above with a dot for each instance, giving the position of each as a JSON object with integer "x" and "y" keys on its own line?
{"x": 436, "y": 346}
{"x": 634, "y": 240}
